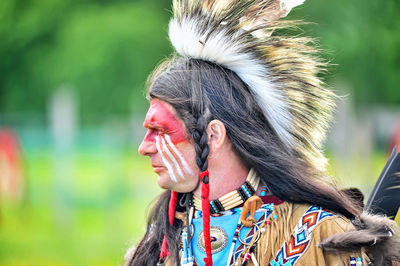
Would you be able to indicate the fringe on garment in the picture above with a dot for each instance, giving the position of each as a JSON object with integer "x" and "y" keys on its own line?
{"x": 377, "y": 234}
{"x": 276, "y": 232}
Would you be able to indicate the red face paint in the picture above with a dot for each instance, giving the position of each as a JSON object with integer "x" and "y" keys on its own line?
{"x": 160, "y": 119}
{"x": 169, "y": 148}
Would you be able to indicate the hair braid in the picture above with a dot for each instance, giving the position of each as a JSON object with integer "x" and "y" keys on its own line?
{"x": 201, "y": 143}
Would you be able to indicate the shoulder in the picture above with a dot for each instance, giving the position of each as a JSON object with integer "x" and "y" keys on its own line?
{"x": 302, "y": 230}
{"x": 328, "y": 225}
{"x": 312, "y": 218}
{"x": 129, "y": 255}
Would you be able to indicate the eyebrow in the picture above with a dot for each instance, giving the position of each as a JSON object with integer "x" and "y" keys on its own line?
{"x": 153, "y": 125}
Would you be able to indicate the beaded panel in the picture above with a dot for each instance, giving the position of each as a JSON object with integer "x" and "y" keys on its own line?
{"x": 292, "y": 250}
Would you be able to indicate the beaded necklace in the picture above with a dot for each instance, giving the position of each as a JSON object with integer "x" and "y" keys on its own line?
{"x": 234, "y": 198}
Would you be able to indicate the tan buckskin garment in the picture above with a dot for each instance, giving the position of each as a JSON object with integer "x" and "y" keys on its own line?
{"x": 280, "y": 229}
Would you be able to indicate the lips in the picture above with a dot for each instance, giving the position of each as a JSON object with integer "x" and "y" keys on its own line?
{"x": 158, "y": 168}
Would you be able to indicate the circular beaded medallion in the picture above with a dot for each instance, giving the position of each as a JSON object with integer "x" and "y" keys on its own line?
{"x": 218, "y": 238}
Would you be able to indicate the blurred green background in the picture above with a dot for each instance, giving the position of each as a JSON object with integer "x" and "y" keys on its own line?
{"x": 73, "y": 190}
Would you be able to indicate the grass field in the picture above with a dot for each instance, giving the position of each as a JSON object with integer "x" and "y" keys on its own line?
{"x": 89, "y": 220}
{"x": 90, "y": 207}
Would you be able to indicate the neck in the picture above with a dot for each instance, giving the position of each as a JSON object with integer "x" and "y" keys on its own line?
{"x": 226, "y": 175}
{"x": 234, "y": 198}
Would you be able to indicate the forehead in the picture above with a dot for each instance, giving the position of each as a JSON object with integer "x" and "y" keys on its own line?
{"x": 159, "y": 110}
{"x": 162, "y": 114}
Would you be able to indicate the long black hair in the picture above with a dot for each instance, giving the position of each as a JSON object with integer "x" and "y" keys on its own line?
{"x": 201, "y": 91}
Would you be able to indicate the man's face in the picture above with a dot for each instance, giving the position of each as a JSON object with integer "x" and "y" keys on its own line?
{"x": 171, "y": 153}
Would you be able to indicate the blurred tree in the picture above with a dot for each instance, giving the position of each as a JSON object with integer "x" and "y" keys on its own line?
{"x": 25, "y": 28}
{"x": 363, "y": 39}
{"x": 105, "y": 50}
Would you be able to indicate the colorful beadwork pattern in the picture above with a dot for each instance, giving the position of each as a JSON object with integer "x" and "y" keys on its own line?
{"x": 268, "y": 208}
{"x": 264, "y": 191}
{"x": 187, "y": 258}
{"x": 199, "y": 214}
{"x": 291, "y": 251}
{"x": 354, "y": 261}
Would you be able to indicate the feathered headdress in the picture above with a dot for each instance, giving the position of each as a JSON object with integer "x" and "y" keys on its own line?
{"x": 280, "y": 71}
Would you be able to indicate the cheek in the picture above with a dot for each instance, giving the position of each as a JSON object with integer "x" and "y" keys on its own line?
{"x": 188, "y": 152}
{"x": 179, "y": 134}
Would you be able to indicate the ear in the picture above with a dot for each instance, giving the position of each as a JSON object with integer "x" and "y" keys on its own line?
{"x": 216, "y": 133}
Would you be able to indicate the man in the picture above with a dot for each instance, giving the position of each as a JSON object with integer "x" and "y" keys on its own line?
{"x": 234, "y": 132}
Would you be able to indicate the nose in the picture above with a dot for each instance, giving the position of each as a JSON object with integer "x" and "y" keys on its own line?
{"x": 146, "y": 148}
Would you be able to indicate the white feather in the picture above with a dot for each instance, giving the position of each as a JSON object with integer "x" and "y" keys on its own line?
{"x": 222, "y": 50}
{"x": 290, "y": 4}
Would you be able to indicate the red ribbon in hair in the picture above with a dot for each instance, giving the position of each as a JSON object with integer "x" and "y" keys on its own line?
{"x": 171, "y": 215}
{"x": 205, "y": 205}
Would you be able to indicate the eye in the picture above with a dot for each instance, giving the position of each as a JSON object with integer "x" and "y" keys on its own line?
{"x": 162, "y": 133}
{"x": 158, "y": 130}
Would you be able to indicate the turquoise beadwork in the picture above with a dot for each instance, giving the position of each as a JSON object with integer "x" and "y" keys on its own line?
{"x": 263, "y": 191}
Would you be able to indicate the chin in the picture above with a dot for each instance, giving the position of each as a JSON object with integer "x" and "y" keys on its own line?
{"x": 181, "y": 186}
{"x": 163, "y": 186}
{"x": 164, "y": 182}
